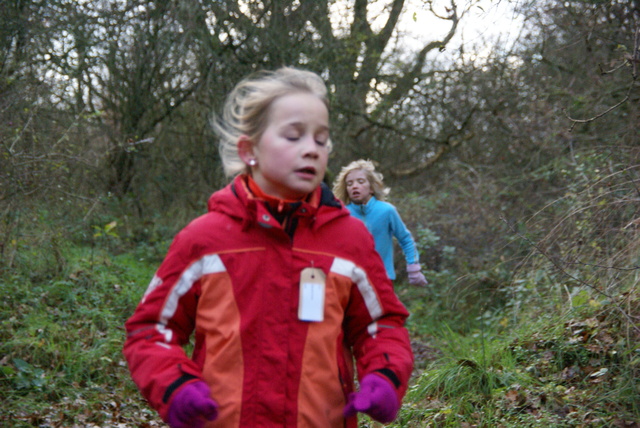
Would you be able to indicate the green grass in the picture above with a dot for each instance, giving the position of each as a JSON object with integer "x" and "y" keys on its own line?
{"x": 578, "y": 367}
{"x": 561, "y": 365}
{"x": 61, "y": 339}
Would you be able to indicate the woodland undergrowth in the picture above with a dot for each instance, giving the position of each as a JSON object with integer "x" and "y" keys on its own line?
{"x": 542, "y": 332}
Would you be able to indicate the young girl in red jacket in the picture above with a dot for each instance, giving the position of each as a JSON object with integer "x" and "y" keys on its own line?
{"x": 280, "y": 287}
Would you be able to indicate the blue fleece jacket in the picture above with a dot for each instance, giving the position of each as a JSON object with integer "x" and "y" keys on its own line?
{"x": 384, "y": 222}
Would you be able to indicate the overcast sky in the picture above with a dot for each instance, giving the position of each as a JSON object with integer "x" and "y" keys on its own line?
{"x": 485, "y": 23}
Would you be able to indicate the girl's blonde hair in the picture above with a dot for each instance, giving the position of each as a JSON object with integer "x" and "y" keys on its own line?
{"x": 375, "y": 180}
{"x": 246, "y": 110}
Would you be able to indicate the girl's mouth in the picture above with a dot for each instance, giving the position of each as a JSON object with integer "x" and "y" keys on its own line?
{"x": 307, "y": 170}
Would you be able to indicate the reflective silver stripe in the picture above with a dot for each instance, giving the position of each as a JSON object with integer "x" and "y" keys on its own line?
{"x": 164, "y": 345}
{"x": 373, "y": 328}
{"x": 357, "y": 275}
{"x": 155, "y": 282}
{"x": 163, "y": 330}
{"x": 206, "y": 265}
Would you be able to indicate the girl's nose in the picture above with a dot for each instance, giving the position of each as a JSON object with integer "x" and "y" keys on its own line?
{"x": 310, "y": 147}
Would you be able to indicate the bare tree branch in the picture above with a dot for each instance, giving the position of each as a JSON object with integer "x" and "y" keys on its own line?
{"x": 557, "y": 264}
{"x": 633, "y": 61}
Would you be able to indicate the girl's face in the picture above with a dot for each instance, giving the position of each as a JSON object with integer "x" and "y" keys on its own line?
{"x": 358, "y": 186}
{"x": 292, "y": 153}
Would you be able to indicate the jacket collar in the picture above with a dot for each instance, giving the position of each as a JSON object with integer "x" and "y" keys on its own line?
{"x": 236, "y": 200}
{"x": 367, "y": 207}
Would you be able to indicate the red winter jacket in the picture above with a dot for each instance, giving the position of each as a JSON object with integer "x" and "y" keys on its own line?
{"x": 232, "y": 276}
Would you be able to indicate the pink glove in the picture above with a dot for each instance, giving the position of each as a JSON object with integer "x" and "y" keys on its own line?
{"x": 415, "y": 276}
{"x": 377, "y": 398}
{"x": 192, "y": 407}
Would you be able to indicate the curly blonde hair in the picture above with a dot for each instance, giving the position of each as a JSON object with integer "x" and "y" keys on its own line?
{"x": 375, "y": 180}
{"x": 246, "y": 110}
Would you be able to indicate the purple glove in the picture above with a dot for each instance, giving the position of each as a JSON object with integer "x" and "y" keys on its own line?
{"x": 192, "y": 407}
{"x": 377, "y": 398}
{"x": 415, "y": 276}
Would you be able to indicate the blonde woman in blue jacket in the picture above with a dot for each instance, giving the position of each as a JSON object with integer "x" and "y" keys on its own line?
{"x": 362, "y": 190}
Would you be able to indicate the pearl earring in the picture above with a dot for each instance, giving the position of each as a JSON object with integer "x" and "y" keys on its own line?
{"x": 252, "y": 162}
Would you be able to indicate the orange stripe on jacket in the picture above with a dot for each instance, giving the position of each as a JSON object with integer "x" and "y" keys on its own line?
{"x": 223, "y": 367}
